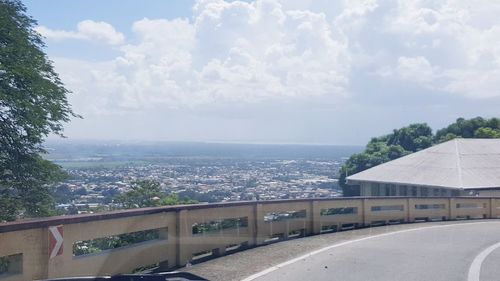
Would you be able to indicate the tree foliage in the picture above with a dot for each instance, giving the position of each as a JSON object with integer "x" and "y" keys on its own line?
{"x": 477, "y": 127}
{"x": 487, "y": 133}
{"x": 33, "y": 104}
{"x": 410, "y": 139}
{"x": 147, "y": 193}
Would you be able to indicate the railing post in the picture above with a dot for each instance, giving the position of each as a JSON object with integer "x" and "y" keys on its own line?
{"x": 315, "y": 218}
{"x": 259, "y": 220}
{"x": 452, "y": 208}
{"x": 255, "y": 225}
{"x": 409, "y": 212}
{"x": 363, "y": 211}
{"x": 490, "y": 209}
{"x": 182, "y": 255}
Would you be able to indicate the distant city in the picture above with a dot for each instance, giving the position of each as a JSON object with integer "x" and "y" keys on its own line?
{"x": 205, "y": 172}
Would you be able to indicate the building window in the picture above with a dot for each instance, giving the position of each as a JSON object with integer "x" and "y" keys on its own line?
{"x": 436, "y": 192}
{"x": 424, "y": 192}
{"x": 393, "y": 190}
{"x": 403, "y": 190}
{"x": 414, "y": 191}
{"x": 387, "y": 190}
{"x": 375, "y": 189}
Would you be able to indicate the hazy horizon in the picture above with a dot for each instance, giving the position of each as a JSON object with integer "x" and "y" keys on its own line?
{"x": 54, "y": 139}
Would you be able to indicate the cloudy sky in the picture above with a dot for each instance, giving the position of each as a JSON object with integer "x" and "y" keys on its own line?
{"x": 269, "y": 71}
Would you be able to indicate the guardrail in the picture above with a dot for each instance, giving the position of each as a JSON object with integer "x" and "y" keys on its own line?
{"x": 172, "y": 236}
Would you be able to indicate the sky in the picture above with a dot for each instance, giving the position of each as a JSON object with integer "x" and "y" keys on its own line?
{"x": 270, "y": 71}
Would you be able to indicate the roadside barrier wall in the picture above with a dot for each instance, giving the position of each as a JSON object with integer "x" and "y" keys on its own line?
{"x": 176, "y": 235}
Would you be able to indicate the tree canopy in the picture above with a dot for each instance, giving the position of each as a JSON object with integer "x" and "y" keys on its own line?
{"x": 477, "y": 127}
{"x": 410, "y": 139}
{"x": 33, "y": 104}
{"x": 147, "y": 193}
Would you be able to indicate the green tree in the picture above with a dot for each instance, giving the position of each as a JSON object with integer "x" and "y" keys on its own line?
{"x": 147, "y": 193}
{"x": 487, "y": 133}
{"x": 173, "y": 199}
{"x": 467, "y": 128}
{"x": 63, "y": 194}
{"x": 447, "y": 137}
{"x": 142, "y": 194}
{"x": 33, "y": 104}
{"x": 412, "y": 138}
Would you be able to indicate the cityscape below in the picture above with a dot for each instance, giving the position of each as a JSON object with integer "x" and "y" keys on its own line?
{"x": 203, "y": 172}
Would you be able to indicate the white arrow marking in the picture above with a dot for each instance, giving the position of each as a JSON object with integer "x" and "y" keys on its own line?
{"x": 59, "y": 240}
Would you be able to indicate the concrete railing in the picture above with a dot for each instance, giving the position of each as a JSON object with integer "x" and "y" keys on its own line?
{"x": 45, "y": 248}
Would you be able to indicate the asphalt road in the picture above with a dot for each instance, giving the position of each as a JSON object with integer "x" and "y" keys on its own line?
{"x": 469, "y": 251}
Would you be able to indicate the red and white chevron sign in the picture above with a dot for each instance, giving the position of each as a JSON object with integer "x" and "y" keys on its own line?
{"x": 55, "y": 241}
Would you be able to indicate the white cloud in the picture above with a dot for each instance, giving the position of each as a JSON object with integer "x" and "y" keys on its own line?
{"x": 85, "y": 30}
{"x": 233, "y": 52}
{"x": 247, "y": 52}
{"x": 415, "y": 68}
{"x": 451, "y": 46}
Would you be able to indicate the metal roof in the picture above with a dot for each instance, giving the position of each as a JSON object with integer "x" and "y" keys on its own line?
{"x": 458, "y": 163}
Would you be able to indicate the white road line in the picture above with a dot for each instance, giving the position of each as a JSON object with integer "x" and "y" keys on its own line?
{"x": 475, "y": 267}
{"x": 276, "y": 267}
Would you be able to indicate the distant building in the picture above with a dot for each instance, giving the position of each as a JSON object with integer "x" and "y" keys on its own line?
{"x": 453, "y": 168}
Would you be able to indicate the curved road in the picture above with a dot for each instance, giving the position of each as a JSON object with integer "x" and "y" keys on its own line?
{"x": 469, "y": 251}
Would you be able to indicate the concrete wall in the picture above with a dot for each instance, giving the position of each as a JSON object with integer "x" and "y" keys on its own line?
{"x": 178, "y": 244}
{"x": 115, "y": 261}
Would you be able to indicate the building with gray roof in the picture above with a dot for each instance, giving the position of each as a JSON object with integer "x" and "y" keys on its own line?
{"x": 455, "y": 167}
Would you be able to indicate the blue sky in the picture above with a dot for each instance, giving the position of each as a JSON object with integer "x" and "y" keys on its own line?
{"x": 120, "y": 13}
{"x": 271, "y": 71}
